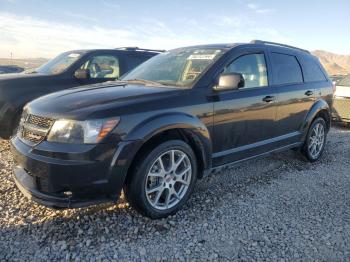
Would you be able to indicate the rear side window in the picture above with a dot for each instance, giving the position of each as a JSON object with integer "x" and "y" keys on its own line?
{"x": 312, "y": 71}
{"x": 286, "y": 69}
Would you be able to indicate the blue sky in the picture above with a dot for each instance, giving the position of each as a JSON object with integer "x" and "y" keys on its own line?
{"x": 39, "y": 28}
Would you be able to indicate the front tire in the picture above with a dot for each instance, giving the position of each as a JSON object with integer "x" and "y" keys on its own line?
{"x": 315, "y": 140}
{"x": 162, "y": 180}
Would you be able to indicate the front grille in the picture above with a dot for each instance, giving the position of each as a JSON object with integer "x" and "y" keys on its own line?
{"x": 40, "y": 121}
{"x": 342, "y": 108}
{"x": 34, "y": 129}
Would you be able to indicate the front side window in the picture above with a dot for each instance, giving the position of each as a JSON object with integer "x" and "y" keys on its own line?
{"x": 102, "y": 66}
{"x": 180, "y": 67}
{"x": 286, "y": 69}
{"x": 59, "y": 63}
{"x": 253, "y": 69}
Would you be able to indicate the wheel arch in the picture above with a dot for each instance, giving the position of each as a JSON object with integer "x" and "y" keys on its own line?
{"x": 169, "y": 126}
{"x": 319, "y": 109}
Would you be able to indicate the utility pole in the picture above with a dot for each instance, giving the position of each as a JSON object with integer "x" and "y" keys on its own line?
{"x": 11, "y": 58}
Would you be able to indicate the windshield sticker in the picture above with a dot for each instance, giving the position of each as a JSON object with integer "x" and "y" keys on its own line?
{"x": 201, "y": 57}
{"x": 73, "y": 55}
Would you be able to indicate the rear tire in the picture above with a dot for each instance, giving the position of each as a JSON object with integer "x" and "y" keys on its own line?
{"x": 162, "y": 180}
{"x": 315, "y": 140}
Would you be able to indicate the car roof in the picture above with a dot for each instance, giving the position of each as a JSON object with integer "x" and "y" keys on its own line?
{"x": 121, "y": 49}
{"x": 260, "y": 43}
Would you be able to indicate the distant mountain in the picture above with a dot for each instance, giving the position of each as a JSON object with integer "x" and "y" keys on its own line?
{"x": 333, "y": 63}
{"x": 27, "y": 63}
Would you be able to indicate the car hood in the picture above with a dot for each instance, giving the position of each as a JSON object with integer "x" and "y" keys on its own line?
{"x": 20, "y": 80}
{"x": 81, "y": 102}
{"x": 18, "y": 75}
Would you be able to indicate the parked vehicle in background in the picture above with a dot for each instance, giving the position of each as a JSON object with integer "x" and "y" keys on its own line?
{"x": 341, "y": 106}
{"x": 10, "y": 69}
{"x": 171, "y": 121}
{"x": 70, "y": 69}
{"x": 336, "y": 78}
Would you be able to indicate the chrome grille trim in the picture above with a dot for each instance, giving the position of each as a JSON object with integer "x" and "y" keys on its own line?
{"x": 39, "y": 121}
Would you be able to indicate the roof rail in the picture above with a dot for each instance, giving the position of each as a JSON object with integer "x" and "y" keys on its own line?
{"x": 135, "y": 48}
{"x": 277, "y": 44}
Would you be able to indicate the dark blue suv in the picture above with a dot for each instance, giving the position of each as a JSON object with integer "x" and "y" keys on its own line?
{"x": 170, "y": 121}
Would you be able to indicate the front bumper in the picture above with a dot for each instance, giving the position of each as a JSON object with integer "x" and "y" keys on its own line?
{"x": 341, "y": 109}
{"x": 70, "y": 176}
{"x": 28, "y": 186}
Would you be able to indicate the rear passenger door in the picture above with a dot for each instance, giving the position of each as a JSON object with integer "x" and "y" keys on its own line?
{"x": 294, "y": 97}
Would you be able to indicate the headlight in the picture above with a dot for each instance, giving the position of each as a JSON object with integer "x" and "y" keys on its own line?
{"x": 81, "y": 132}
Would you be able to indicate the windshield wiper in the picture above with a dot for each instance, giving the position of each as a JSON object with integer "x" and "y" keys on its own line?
{"x": 30, "y": 72}
{"x": 145, "y": 82}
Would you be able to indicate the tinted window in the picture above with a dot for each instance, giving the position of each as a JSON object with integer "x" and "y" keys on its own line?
{"x": 103, "y": 66}
{"x": 313, "y": 71}
{"x": 253, "y": 69}
{"x": 286, "y": 69}
{"x": 134, "y": 61}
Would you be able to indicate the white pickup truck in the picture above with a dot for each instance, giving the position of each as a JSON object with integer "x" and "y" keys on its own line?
{"x": 341, "y": 105}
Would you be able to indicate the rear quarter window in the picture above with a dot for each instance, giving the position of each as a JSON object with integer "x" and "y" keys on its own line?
{"x": 286, "y": 69}
{"x": 312, "y": 71}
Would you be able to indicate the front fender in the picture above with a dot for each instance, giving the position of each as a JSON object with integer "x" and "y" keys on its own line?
{"x": 318, "y": 106}
{"x": 192, "y": 125}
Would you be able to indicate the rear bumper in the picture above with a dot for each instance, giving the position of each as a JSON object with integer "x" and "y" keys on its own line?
{"x": 341, "y": 109}
{"x": 91, "y": 175}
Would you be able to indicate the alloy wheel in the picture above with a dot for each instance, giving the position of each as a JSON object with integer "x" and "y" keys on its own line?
{"x": 316, "y": 140}
{"x": 168, "y": 179}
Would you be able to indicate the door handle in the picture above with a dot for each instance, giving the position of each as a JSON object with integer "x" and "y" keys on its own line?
{"x": 268, "y": 99}
{"x": 309, "y": 93}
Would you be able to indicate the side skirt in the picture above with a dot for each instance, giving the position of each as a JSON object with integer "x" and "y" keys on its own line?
{"x": 217, "y": 169}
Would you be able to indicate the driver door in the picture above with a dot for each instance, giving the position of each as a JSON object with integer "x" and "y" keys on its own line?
{"x": 244, "y": 119}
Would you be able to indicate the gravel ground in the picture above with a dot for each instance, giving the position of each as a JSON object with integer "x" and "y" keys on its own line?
{"x": 277, "y": 208}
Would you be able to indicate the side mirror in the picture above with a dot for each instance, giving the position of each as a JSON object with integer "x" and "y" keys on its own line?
{"x": 230, "y": 81}
{"x": 82, "y": 74}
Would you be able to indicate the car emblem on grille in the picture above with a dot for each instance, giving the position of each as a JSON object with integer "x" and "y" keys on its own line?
{"x": 34, "y": 137}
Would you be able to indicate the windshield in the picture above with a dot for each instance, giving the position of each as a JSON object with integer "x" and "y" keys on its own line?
{"x": 345, "y": 81}
{"x": 59, "y": 63}
{"x": 180, "y": 67}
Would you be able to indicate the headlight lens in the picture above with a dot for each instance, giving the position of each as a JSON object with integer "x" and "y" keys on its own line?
{"x": 81, "y": 132}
